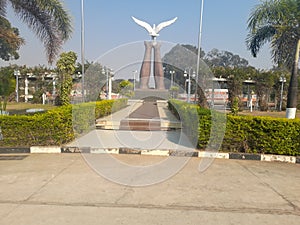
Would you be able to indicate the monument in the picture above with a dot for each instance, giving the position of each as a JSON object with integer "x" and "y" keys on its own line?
{"x": 158, "y": 71}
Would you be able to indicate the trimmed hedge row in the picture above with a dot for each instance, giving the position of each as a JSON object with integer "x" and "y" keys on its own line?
{"x": 241, "y": 133}
{"x": 55, "y": 127}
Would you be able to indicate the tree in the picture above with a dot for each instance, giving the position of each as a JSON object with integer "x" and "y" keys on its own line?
{"x": 126, "y": 88}
{"x": 216, "y": 58}
{"x": 278, "y": 22}
{"x": 7, "y": 86}
{"x": 10, "y": 42}
{"x": 47, "y": 18}
{"x": 66, "y": 68}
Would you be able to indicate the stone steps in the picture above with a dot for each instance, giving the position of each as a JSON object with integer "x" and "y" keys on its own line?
{"x": 147, "y": 116}
{"x": 140, "y": 124}
{"x": 116, "y": 125}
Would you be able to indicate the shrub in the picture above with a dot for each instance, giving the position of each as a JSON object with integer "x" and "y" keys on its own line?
{"x": 244, "y": 133}
{"x": 55, "y": 127}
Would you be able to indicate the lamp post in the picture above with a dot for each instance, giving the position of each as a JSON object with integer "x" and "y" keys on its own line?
{"x": 187, "y": 73}
{"x": 17, "y": 74}
{"x": 251, "y": 101}
{"x": 172, "y": 72}
{"x": 282, "y": 80}
{"x": 26, "y": 89}
{"x": 109, "y": 75}
{"x": 82, "y": 48}
{"x": 54, "y": 86}
{"x": 249, "y": 82}
{"x": 134, "y": 75}
{"x": 199, "y": 48}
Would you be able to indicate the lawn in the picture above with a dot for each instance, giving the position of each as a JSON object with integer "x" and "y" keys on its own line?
{"x": 20, "y": 108}
{"x": 274, "y": 114}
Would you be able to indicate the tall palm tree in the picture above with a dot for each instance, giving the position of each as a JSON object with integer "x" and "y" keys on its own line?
{"x": 278, "y": 22}
{"x": 47, "y": 18}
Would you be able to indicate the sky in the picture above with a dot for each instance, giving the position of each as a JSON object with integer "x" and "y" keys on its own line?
{"x": 108, "y": 25}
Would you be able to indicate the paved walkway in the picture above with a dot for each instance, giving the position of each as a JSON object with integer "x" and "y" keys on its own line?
{"x": 62, "y": 189}
{"x": 148, "y": 110}
{"x": 150, "y": 140}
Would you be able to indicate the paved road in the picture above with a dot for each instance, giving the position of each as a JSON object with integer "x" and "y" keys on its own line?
{"x": 63, "y": 189}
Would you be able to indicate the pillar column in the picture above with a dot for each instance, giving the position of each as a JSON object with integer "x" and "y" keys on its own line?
{"x": 146, "y": 66}
{"x": 158, "y": 67}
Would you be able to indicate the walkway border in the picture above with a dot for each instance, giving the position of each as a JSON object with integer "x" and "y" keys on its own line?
{"x": 163, "y": 152}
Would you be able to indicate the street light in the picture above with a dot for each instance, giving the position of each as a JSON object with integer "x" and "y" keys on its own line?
{"x": 282, "y": 80}
{"x": 187, "y": 73}
{"x": 109, "y": 75}
{"x": 199, "y": 48}
{"x": 134, "y": 75}
{"x": 82, "y": 48}
{"x": 249, "y": 82}
{"x": 172, "y": 72}
{"x": 17, "y": 74}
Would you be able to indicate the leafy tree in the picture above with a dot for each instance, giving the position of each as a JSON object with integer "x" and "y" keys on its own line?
{"x": 95, "y": 81}
{"x": 66, "y": 68}
{"x": 235, "y": 106}
{"x": 217, "y": 58}
{"x": 47, "y": 18}
{"x": 194, "y": 49}
{"x": 126, "y": 88}
{"x": 7, "y": 86}
{"x": 278, "y": 22}
{"x": 10, "y": 41}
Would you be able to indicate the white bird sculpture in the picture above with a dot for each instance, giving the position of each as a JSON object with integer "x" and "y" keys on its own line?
{"x": 153, "y": 31}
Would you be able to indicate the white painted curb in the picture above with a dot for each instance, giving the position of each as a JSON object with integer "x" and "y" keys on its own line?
{"x": 156, "y": 152}
{"x": 105, "y": 151}
{"x": 215, "y": 155}
{"x": 278, "y": 158}
{"x": 48, "y": 149}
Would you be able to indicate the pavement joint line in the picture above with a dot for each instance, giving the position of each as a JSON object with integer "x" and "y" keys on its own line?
{"x": 156, "y": 152}
{"x": 249, "y": 210}
{"x": 291, "y": 204}
{"x": 51, "y": 179}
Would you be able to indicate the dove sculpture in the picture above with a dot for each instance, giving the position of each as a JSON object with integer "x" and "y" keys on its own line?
{"x": 153, "y": 31}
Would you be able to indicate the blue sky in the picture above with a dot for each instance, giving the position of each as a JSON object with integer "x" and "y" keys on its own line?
{"x": 108, "y": 24}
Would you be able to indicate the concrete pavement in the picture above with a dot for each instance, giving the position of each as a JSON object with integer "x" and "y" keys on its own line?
{"x": 62, "y": 189}
{"x": 112, "y": 137}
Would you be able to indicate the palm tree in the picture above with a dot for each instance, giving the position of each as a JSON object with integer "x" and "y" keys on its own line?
{"x": 47, "y": 18}
{"x": 278, "y": 22}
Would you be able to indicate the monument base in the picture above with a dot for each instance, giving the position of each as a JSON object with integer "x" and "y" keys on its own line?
{"x": 151, "y": 94}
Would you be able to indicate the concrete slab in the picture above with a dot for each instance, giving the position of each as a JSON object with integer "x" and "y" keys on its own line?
{"x": 93, "y": 215}
{"x": 63, "y": 189}
{"x": 151, "y": 140}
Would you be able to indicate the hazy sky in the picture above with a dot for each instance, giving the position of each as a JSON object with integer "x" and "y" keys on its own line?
{"x": 108, "y": 24}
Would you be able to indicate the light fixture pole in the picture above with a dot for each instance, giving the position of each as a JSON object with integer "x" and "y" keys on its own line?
{"x": 282, "y": 80}
{"x": 110, "y": 77}
{"x": 82, "y": 49}
{"x": 187, "y": 73}
{"x": 199, "y": 48}
{"x": 105, "y": 72}
{"x": 134, "y": 75}
{"x": 17, "y": 74}
{"x": 172, "y": 72}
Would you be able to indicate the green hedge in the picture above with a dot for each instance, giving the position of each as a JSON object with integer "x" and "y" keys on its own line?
{"x": 241, "y": 133}
{"x": 55, "y": 127}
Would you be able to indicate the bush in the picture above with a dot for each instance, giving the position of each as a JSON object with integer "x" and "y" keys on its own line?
{"x": 56, "y": 126}
{"x": 244, "y": 133}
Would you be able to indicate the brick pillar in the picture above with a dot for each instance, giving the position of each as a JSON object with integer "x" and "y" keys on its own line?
{"x": 146, "y": 66}
{"x": 158, "y": 67}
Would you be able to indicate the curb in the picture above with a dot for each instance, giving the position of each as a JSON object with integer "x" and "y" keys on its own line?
{"x": 14, "y": 150}
{"x": 166, "y": 153}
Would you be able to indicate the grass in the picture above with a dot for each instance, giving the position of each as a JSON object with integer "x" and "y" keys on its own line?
{"x": 19, "y": 108}
{"x": 274, "y": 114}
